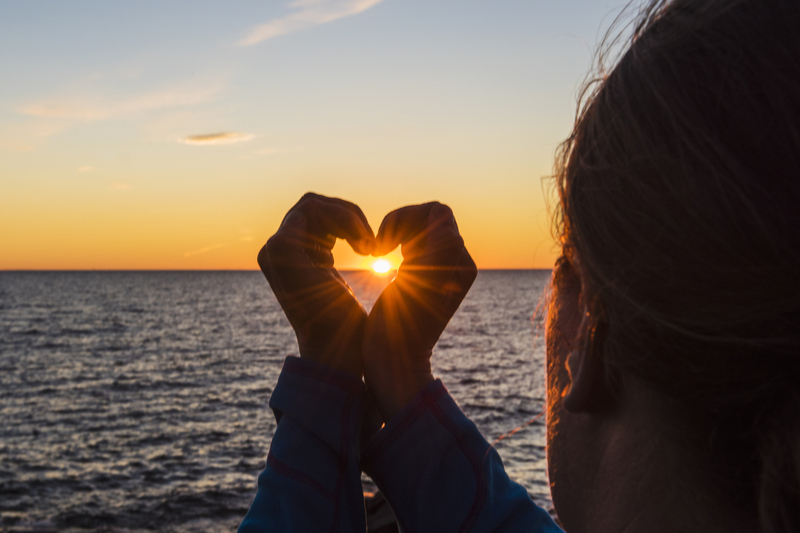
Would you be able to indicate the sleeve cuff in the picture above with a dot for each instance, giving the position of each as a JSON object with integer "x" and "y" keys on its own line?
{"x": 425, "y": 451}
{"x": 430, "y": 457}
{"x": 327, "y": 402}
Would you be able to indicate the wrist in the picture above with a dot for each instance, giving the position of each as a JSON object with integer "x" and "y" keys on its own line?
{"x": 342, "y": 361}
{"x": 392, "y": 391}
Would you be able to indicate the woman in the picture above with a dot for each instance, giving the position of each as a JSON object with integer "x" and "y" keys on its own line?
{"x": 673, "y": 336}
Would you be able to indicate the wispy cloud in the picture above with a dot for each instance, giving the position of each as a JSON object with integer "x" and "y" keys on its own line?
{"x": 204, "y": 250}
{"x": 103, "y": 108}
{"x": 120, "y": 186}
{"x": 85, "y": 168}
{"x": 100, "y": 98}
{"x": 224, "y": 137}
{"x": 308, "y": 13}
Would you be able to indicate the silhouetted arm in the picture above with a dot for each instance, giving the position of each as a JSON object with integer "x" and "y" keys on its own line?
{"x": 440, "y": 475}
{"x": 312, "y": 481}
{"x": 411, "y": 313}
{"x": 431, "y": 462}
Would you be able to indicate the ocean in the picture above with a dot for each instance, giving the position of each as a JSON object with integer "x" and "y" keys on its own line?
{"x": 138, "y": 400}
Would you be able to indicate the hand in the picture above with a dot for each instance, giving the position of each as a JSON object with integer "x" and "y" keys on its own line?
{"x": 411, "y": 313}
{"x": 298, "y": 264}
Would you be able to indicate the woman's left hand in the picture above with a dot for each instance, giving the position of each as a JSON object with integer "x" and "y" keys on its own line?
{"x": 298, "y": 264}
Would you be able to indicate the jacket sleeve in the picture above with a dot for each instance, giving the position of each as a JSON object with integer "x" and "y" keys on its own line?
{"x": 440, "y": 475}
{"x": 312, "y": 481}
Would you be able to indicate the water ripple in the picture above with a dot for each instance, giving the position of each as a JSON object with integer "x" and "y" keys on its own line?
{"x": 138, "y": 400}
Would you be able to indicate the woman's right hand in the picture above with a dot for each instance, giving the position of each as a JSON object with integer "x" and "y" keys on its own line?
{"x": 412, "y": 312}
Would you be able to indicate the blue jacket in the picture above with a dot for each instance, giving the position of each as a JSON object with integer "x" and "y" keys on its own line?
{"x": 430, "y": 462}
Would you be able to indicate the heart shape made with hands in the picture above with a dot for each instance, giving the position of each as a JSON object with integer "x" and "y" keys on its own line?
{"x": 302, "y": 247}
{"x": 331, "y": 325}
{"x": 402, "y": 237}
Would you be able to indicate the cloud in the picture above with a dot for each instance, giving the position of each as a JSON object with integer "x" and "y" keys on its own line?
{"x": 85, "y": 168}
{"x": 120, "y": 186}
{"x": 204, "y": 250}
{"x": 309, "y": 13}
{"x": 99, "y": 108}
{"x": 88, "y": 102}
{"x": 225, "y": 137}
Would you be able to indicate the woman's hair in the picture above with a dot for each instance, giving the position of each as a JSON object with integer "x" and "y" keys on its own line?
{"x": 680, "y": 209}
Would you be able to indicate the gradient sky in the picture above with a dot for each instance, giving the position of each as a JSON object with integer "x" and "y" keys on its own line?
{"x": 175, "y": 134}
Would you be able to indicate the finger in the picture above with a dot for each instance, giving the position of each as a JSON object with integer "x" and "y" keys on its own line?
{"x": 284, "y": 259}
{"x": 443, "y": 242}
{"x": 443, "y": 272}
{"x": 437, "y": 272}
{"x": 292, "y": 258}
{"x": 304, "y": 290}
{"x": 348, "y": 205}
{"x": 331, "y": 218}
{"x": 344, "y": 203}
{"x": 422, "y": 300}
{"x": 404, "y": 226}
{"x": 426, "y": 230}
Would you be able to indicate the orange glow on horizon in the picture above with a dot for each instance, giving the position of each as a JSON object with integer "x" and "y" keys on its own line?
{"x": 130, "y": 230}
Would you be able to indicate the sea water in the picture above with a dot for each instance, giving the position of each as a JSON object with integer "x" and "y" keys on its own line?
{"x": 138, "y": 400}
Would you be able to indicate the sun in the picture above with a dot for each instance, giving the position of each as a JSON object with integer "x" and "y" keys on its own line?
{"x": 381, "y": 266}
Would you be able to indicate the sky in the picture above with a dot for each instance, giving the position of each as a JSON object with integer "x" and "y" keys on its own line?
{"x": 176, "y": 134}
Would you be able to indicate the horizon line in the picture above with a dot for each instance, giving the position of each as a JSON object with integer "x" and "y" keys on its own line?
{"x": 10, "y": 270}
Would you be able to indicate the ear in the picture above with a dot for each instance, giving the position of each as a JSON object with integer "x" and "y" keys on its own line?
{"x": 589, "y": 391}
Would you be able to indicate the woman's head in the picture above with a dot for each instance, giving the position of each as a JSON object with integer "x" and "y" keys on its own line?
{"x": 680, "y": 217}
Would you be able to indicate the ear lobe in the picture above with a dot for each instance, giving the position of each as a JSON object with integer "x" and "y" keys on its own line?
{"x": 588, "y": 391}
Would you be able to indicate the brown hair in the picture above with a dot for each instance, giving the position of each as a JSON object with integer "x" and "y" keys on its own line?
{"x": 680, "y": 207}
